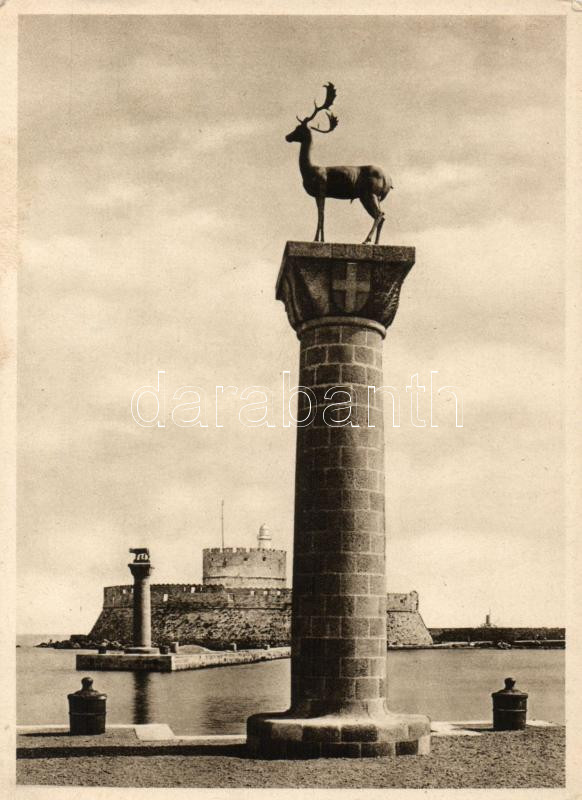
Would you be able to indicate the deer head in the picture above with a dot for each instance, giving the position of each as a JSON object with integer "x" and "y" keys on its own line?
{"x": 301, "y": 132}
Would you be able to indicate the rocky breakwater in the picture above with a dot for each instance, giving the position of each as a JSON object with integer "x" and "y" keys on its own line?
{"x": 80, "y": 642}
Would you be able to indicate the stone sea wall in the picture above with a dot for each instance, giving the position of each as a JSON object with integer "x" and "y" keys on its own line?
{"x": 213, "y": 627}
{"x": 495, "y": 634}
{"x": 173, "y": 663}
{"x": 216, "y": 617}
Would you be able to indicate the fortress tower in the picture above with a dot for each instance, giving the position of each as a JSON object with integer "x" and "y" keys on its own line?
{"x": 240, "y": 567}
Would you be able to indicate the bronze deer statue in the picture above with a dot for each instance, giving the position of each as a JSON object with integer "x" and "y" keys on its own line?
{"x": 368, "y": 183}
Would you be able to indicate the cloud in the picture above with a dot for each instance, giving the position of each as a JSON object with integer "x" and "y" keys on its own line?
{"x": 441, "y": 176}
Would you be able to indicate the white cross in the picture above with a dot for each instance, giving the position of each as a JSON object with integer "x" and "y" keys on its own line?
{"x": 351, "y": 286}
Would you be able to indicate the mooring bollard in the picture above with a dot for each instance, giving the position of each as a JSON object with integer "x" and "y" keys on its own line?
{"x": 87, "y": 710}
{"x": 509, "y": 708}
{"x": 174, "y": 647}
{"x": 102, "y": 649}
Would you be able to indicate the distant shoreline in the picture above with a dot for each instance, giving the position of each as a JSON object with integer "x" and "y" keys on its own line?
{"x": 532, "y": 644}
{"x": 503, "y": 638}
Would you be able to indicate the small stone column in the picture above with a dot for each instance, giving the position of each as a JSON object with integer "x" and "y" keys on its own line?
{"x": 141, "y": 569}
{"x": 340, "y": 299}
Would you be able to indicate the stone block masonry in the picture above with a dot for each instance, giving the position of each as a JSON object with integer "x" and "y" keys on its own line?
{"x": 242, "y": 567}
{"x": 141, "y": 569}
{"x": 338, "y": 628}
{"x": 123, "y": 662}
{"x": 339, "y": 299}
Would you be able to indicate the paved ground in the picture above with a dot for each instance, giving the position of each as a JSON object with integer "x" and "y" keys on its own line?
{"x": 526, "y": 759}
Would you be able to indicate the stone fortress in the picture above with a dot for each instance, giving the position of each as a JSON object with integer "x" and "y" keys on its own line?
{"x": 260, "y": 568}
{"x": 243, "y": 599}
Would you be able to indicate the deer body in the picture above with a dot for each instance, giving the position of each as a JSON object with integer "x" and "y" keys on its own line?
{"x": 368, "y": 183}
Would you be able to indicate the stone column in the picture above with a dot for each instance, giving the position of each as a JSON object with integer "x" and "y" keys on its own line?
{"x": 340, "y": 299}
{"x": 141, "y": 569}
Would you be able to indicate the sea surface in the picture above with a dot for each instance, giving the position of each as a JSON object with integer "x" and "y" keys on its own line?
{"x": 445, "y": 684}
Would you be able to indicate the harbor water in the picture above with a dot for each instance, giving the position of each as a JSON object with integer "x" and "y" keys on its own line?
{"x": 445, "y": 684}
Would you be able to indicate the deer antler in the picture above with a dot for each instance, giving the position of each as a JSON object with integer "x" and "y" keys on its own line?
{"x": 330, "y": 95}
{"x": 333, "y": 122}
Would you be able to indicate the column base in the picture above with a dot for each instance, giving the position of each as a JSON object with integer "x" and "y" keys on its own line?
{"x": 337, "y": 735}
{"x": 144, "y": 651}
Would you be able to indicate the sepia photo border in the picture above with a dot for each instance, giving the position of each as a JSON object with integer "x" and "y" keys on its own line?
{"x": 9, "y": 14}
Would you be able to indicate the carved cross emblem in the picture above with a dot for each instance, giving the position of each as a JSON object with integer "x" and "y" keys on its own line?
{"x": 351, "y": 287}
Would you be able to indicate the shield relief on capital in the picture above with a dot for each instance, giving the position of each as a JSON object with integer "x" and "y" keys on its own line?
{"x": 350, "y": 286}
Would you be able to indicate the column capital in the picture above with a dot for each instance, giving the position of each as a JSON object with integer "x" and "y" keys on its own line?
{"x": 140, "y": 570}
{"x": 320, "y": 280}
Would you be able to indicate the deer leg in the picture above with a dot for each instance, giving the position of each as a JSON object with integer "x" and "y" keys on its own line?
{"x": 320, "y": 206}
{"x": 379, "y": 228}
{"x": 370, "y": 203}
{"x": 318, "y": 222}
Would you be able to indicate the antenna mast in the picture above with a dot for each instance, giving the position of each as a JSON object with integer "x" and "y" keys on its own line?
{"x": 222, "y": 524}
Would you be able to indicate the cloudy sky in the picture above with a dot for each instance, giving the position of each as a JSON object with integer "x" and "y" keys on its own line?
{"x": 157, "y": 193}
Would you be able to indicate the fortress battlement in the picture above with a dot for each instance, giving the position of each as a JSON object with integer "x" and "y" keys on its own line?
{"x": 402, "y": 601}
{"x": 197, "y": 594}
{"x": 243, "y": 550}
{"x": 257, "y": 567}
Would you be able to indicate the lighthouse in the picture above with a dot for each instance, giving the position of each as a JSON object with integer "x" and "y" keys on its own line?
{"x": 264, "y": 537}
